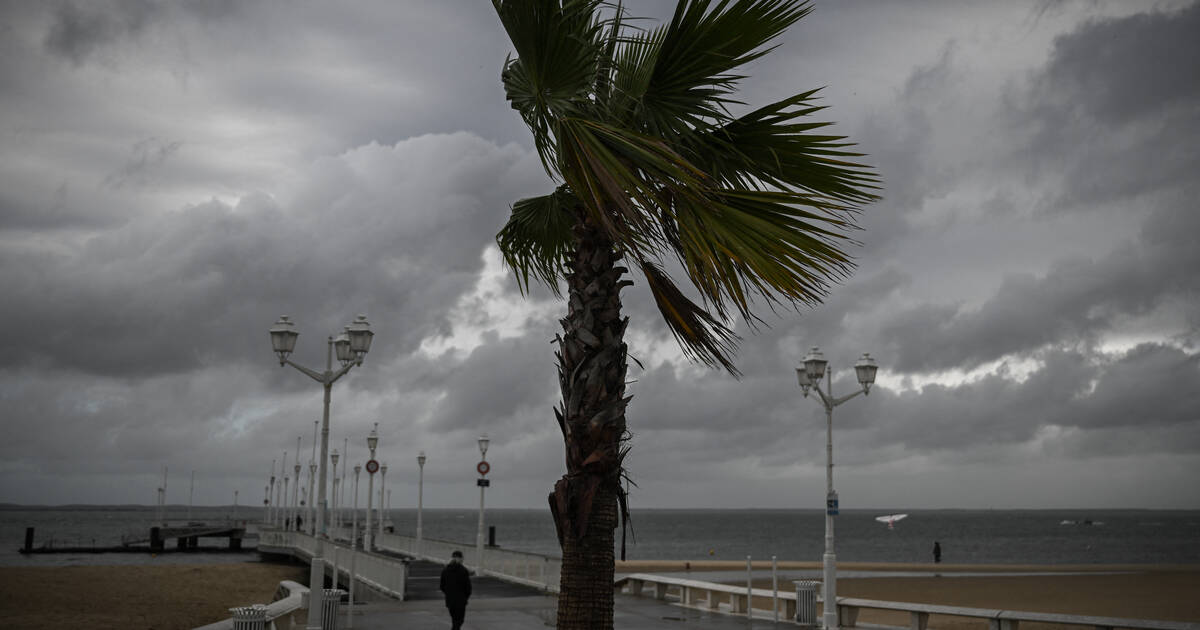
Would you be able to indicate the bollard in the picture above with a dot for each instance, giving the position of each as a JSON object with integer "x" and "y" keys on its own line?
{"x": 806, "y": 602}
{"x": 249, "y": 617}
{"x": 329, "y": 608}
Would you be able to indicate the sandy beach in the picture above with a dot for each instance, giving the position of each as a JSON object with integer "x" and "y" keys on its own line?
{"x": 1165, "y": 592}
{"x": 135, "y": 597}
{"x": 141, "y": 597}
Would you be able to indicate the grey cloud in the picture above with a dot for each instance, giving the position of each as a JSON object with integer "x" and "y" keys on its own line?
{"x": 79, "y": 30}
{"x": 1076, "y": 299}
{"x": 395, "y": 232}
{"x": 1119, "y": 69}
{"x": 144, "y": 156}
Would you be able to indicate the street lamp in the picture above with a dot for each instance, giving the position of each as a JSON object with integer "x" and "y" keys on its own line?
{"x": 350, "y": 353}
{"x": 420, "y": 495}
{"x": 312, "y": 505}
{"x": 482, "y": 468}
{"x": 333, "y": 458}
{"x": 271, "y": 493}
{"x": 353, "y": 547}
{"x": 296, "y": 490}
{"x": 285, "y": 498}
{"x": 372, "y": 468}
{"x": 809, "y": 376}
{"x": 382, "y": 507}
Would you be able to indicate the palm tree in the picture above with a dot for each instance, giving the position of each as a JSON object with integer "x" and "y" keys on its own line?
{"x": 653, "y": 166}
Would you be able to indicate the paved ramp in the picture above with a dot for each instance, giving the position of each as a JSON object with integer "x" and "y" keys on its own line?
{"x": 423, "y": 579}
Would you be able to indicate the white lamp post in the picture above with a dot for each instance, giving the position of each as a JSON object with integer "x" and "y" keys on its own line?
{"x": 809, "y": 376}
{"x": 271, "y": 493}
{"x": 482, "y": 482}
{"x": 312, "y": 503}
{"x": 372, "y": 467}
{"x": 333, "y": 459}
{"x": 352, "y": 346}
{"x": 420, "y": 495}
{"x": 353, "y": 548}
{"x": 296, "y": 490}
{"x": 382, "y": 507}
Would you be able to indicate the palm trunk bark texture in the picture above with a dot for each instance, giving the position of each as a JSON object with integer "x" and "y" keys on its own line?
{"x": 592, "y": 367}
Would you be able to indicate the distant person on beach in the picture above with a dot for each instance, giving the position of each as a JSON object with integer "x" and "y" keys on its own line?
{"x": 456, "y": 585}
{"x": 937, "y": 552}
{"x": 298, "y": 519}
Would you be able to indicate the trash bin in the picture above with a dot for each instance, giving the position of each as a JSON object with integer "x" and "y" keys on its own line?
{"x": 806, "y": 602}
{"x": 329, "y": 608}
{"x": 249, "y": 617}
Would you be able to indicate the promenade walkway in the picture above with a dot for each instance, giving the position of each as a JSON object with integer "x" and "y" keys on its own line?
{"x": 499, "y": 605}
{"x": 537, "y": 611}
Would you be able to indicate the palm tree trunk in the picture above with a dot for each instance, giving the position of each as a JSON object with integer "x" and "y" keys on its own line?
{"x": 592, "y": 368}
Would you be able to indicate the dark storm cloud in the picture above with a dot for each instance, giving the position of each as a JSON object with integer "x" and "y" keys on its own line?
{"x": 1122, "y": 69}
{"x": 78, "y": 30}
{"x": 1109, "y": 106}
{"x": 1075, "y": 301}
{"x": 144, "y": 156}
{"x": 221, "y": 274}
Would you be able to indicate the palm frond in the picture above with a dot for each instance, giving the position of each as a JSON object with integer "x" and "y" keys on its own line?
{"x": 559, "y": 46}
{"x": 681, "y": 75}
{"x": 537, "y": 240}
{"x": 773, "y": 147}
{"x": 702, "y": 337}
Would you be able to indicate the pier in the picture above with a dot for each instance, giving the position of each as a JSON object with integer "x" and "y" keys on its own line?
{"x": 186, "y": 536}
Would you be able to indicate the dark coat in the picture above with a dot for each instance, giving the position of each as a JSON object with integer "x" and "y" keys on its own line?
{"x": 456, "y": 584}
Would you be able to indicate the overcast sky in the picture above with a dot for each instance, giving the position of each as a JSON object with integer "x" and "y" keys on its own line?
{"x": 176, "y": 175}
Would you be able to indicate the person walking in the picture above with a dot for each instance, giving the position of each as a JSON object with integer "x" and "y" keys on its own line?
{"x": 456, "y": 586}
{"x": 937, "y": 552}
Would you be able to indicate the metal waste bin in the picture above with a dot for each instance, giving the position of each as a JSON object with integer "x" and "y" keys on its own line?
{"x": 249, "y": 617}
{"x": 329, "y": 608}
{"x": 806, "y": 602}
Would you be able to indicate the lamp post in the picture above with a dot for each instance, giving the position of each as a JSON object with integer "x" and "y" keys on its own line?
{"x": 296, "y": 489}
{"x": 333, "y": 459}
{"x": 382, "y": 507}
{"x": 353, "y": 547}
{"x": 372, "y": 468}
{"x": 809, "y": 376}
{"x": 420, "y": 494}
{"x": 271, "y": 493}
{"x": 312, "y": 503}
{"x": 351, "y": 347}
{"x": 482, "y": 468}
{"x": 283, "y": 518}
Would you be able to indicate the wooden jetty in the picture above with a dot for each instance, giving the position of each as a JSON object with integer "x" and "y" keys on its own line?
{"x": 187, "y": 538}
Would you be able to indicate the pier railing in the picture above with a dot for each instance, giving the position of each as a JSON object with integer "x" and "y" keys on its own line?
{"x": 738, "y": 600}
{"x": 382, "y": 573}
{"x": 519, "y": 567}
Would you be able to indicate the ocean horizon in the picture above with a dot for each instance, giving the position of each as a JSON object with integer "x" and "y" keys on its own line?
{"x": 1027, "y": 536}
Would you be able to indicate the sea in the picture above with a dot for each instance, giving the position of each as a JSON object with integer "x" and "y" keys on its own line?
{"x": 965, "y": 536}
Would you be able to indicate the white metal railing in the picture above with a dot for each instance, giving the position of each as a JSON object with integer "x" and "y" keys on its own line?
{"x": 736, "y": 600}
{"x": 387, "y": 575}
{"x": 519, "y": 567}
{"x": 289, "y": 597}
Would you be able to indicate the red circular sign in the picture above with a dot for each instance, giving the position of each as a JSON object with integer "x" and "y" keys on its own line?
{"x": 372, "y": 466}
{"x": 483, "y": 468}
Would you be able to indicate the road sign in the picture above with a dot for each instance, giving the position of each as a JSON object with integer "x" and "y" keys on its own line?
{"x": 372, "y": 466}
{"x": 483, "y": 483}
{"x": 483, "y": 468}
{"x": 831, "y": 504}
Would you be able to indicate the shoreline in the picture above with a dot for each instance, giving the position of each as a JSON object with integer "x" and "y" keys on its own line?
{"x": 679, "y": 566}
